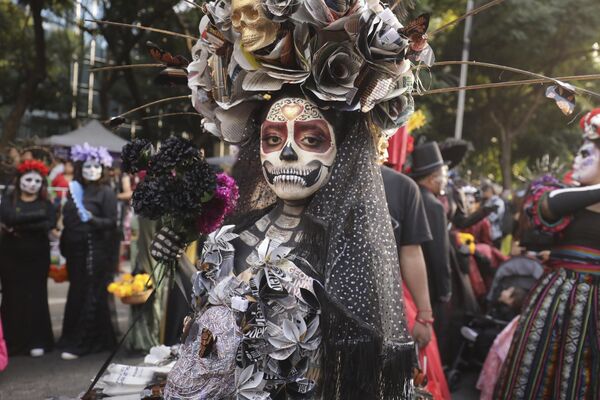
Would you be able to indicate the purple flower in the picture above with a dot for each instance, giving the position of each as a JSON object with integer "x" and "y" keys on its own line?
{"x": 220, "y": 206}
{"x": 86, "y": 153}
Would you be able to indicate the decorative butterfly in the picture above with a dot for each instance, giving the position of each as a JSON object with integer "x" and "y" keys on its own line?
{"x": 166, "y": 58}
{"x": 564, "y": 96}
{"x": 207, "y": 340}
{"x": 416, "y": 32}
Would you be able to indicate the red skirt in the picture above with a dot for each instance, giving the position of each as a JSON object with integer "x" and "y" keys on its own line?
{"x": 436, "y": 380}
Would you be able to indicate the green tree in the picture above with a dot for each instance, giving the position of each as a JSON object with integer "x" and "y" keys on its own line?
{"x": 539, "y": 36}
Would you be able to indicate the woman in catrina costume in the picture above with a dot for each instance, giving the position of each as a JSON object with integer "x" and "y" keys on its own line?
{"x": 299, "y": 296}
{"x": 555, "y": 353}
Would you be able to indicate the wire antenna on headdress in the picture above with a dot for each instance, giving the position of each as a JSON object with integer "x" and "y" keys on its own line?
{"x": 147, "y": 28}
{"x": 152, "y": 103}
{"x": 515, "y": 70}
{"x": 465, "y": 16}
{"x": 193, "y": 4}
{"x": 524, "y": 82}
{"x": 172, "y": 114}
{"x": 126, "y": 66}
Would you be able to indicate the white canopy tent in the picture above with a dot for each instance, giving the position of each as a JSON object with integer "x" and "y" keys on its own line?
{"x": 92, "y": 133}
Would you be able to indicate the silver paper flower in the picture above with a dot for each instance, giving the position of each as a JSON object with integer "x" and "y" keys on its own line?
{"x": 294, "y": 335}
{"x": 249, "y": 385}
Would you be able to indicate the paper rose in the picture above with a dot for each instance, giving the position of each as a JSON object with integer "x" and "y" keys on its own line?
{"x": 395, "y": 112}
{"x": 334, "y": 70}
{"x": 281, "y": 9}
{"x": 379, "y": 40}
{"x": 220, "y": 11}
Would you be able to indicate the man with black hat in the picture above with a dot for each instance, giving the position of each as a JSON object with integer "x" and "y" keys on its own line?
{"x": 430, "y": 173}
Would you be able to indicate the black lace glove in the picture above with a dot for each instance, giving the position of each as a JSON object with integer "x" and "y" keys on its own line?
{"x": 166, "y": 245}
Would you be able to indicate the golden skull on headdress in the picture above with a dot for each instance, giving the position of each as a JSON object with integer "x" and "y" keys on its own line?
{"x": 249, "y": 19}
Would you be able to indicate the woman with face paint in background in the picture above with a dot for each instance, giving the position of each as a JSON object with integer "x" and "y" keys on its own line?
{"x": 89, "y": 218}
{"x": 26, "y": 218}
{"x": 555, "y": 352}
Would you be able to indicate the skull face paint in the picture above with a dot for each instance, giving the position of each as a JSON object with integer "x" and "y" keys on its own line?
{"x": 586, "y": 167}
{"x": 249, "y": 19}
{"x": 30, "y": 183}
{"x": 91, "y": 170}
{"x": 297, "y": 149}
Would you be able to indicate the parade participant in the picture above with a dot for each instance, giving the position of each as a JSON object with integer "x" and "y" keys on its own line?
{"x": 300, "y": 291}
{"x": 26, "y": 218}
{"x": 411, "y": 230}
{"x": 492, "y": 201}
{"x": 315, "y": 262}
{"x": 429, "y": 171}
{"x": 89, "y": 219}
{"x": 554, "y": 353}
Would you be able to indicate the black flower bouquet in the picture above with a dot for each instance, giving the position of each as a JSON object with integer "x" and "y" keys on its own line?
{"x": 178, "y": 186}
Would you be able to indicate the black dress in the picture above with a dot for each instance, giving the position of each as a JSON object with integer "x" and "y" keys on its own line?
{"x": 87, "y": 247}
{"x": 24, "y": 263}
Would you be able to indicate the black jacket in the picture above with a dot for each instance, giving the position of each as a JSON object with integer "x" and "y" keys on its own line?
{"x": 437, "y": 251}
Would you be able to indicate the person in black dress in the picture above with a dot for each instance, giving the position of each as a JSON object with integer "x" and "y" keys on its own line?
{"x": 26, "y": 218}
{"x": 89, "y": 219}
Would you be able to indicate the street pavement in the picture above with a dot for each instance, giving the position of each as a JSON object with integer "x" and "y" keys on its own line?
{"x": 48, "y": 377}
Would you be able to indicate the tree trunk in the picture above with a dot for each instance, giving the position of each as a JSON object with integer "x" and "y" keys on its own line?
{"x": 506, "y": 159}
{"x": 34, "y": 78}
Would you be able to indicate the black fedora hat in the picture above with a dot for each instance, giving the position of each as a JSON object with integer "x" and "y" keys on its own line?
{"x": 426, "y": 159}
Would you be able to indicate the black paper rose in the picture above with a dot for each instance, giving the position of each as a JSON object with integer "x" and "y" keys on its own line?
{"x": 334, "y": 70}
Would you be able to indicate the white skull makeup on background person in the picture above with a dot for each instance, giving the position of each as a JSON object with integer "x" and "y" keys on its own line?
{"x": 297, "y": 149}
{"x": 586, "y": 166}
{"x": 91, "y": 170}
{"x": 249, "y": 19}
{"x": 31, "y": 182}
{"x": 442, "y": 179}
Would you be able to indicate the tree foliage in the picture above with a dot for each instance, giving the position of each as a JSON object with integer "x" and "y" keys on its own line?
{"x": 549, "y": 37}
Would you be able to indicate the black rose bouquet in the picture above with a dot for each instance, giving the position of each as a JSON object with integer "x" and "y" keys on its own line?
{"x": 178, "y": 186}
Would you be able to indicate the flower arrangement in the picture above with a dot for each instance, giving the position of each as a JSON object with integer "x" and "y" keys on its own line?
{"x": 130, "y": 285}
{"x": 33, "y": 165}
{"x": 86, "y": 152}
{"x": 179, "y": 187}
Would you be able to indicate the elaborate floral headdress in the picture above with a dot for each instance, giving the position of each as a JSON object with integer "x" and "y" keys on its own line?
{"x": 590, "y": 123}
{"x": 33, "y": 165}
{"x": 86, "y": 152}
{"x": 348, "y": 55}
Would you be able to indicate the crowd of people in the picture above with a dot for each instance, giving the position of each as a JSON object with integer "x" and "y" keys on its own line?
{"x": 35, "y": 211}
{"x": 469, "y": 256}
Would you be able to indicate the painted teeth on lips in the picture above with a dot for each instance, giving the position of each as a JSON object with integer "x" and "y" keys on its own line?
{"x": 289, "y": 179}
{"x": 291, "y": 171}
